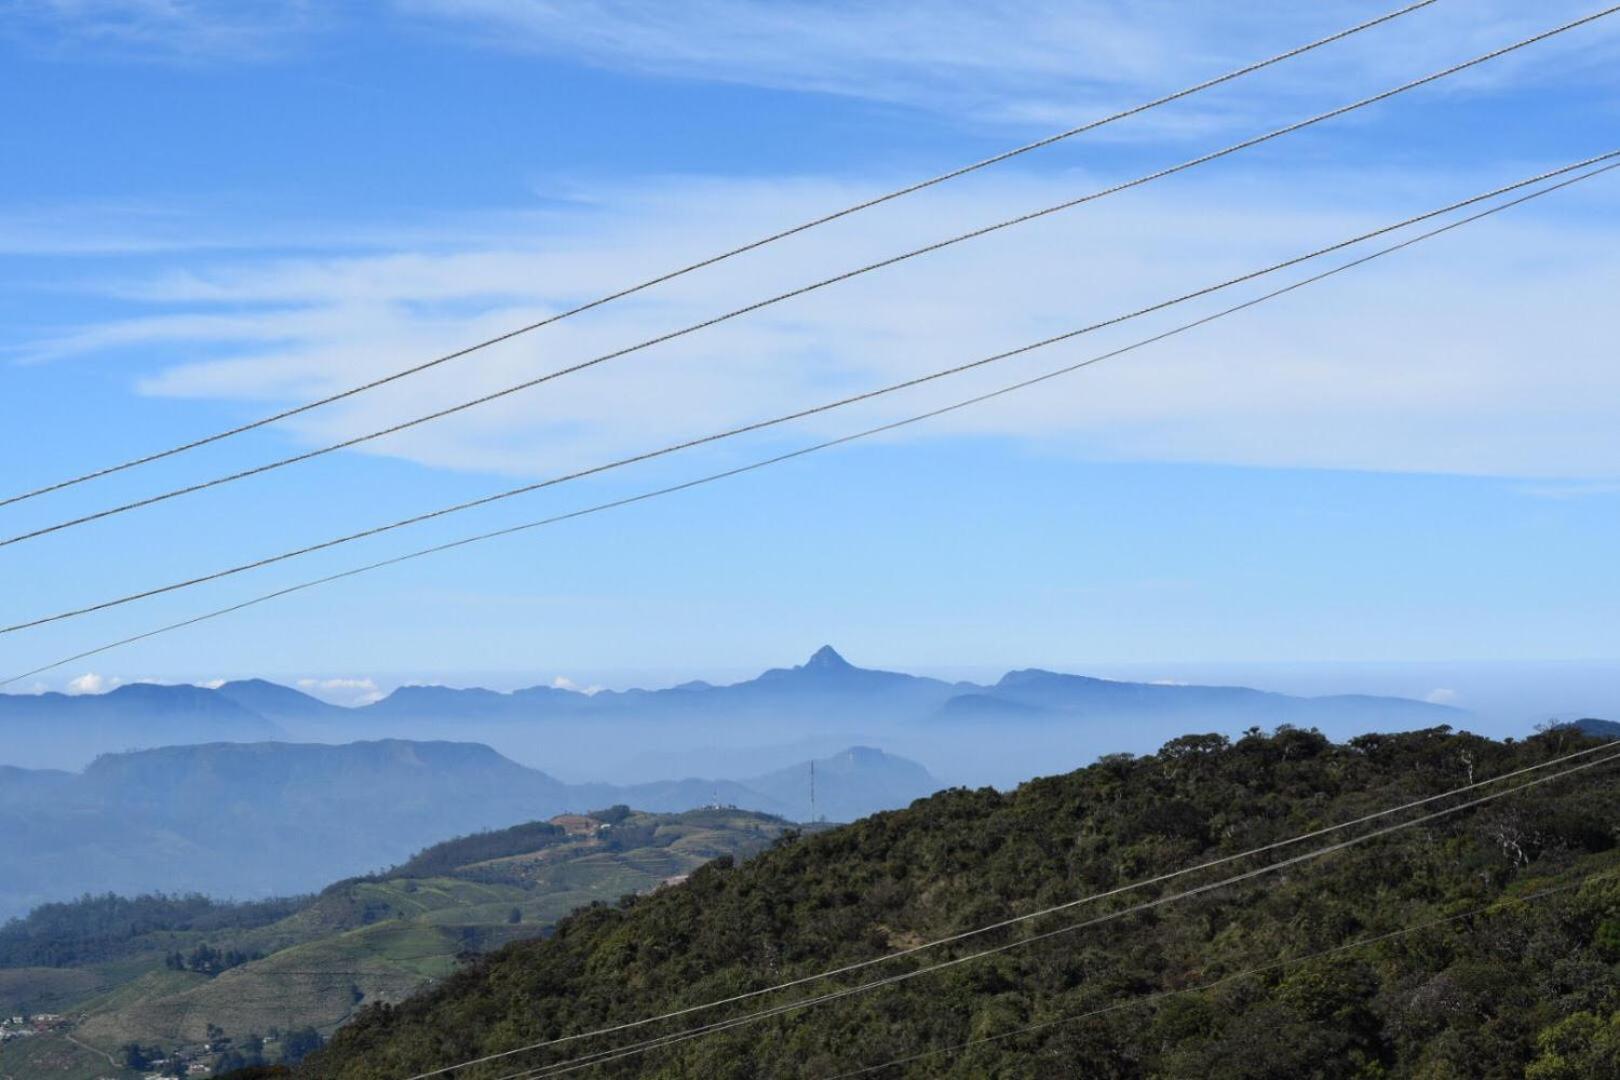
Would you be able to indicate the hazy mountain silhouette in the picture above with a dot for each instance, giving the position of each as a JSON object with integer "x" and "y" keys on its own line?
{"x": 845, "y": 783}
{"x": 1033, "y": 692}
{"x": 825, "y": 694}
{"x": 66, "y": 730}
{"x": 276, "y": 702}
{"x": 256, "y": 819}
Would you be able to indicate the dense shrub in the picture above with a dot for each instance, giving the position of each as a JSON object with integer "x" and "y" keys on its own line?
{"x": 1530, "y": 986}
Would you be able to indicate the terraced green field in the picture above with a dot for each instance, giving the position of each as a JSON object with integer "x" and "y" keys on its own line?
{"x": 44, "y": 989}
{"x": 54, "y": 1056}
{"x": 379, "y": 938}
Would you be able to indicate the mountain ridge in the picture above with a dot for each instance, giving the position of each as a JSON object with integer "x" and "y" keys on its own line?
{"x": 65, "y": 730}
{"x": 269, "y": 700}
{"x": 178, "y": 818}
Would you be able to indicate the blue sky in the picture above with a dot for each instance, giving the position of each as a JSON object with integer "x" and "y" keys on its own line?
{"x": 209, "y": 211}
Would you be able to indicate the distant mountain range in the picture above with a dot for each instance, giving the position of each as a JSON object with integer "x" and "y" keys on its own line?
{"x": 256, "y": 819}
{"x": 826, "y": 684}
{"x": 825, "y": 694}
{"x": 67, "y": 730}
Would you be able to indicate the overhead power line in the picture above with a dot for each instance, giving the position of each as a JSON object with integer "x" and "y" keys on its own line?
{"x": 1028, "y": 917}
{"x": 803, "y": 290}
{"x": 634, "y": 1049}
{"x": 763, "y": 463}
{"x": 712, "y": 260}
{"x": 756, "y": 306}
{"x": 814, "y": 410}
{"x": 1248, "y": 973}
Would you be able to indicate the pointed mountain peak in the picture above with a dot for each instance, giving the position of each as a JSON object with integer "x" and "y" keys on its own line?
{"x": 826, "y": 658}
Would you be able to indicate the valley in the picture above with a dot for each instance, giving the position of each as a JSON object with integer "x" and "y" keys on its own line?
{"x": 180, "y": 976}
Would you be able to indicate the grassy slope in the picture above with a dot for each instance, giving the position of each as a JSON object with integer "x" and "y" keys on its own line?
{"x": 55, "y": 1057}
{"x": 1484, "y": 997}
{"x": 373, "y": 940}
{"x": 43, "y": 990}
{"x": 314, "y": 984}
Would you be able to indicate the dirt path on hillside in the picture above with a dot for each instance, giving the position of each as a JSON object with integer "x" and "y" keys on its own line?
{"x": 100, "y": 1053}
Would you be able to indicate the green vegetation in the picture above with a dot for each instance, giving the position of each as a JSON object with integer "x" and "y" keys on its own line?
{"x": 36, "y": 989}
{"x": 159, "y": 973}
{"x": 96, "y": 929}
{"x": 1525, "y": 989}
{"x": 463, "y": 851}
{"x": 57, "y": 1058}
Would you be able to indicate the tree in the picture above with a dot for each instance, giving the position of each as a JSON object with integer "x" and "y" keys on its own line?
{"x": 297, "y": 1045}
{"x": 133, "y": 1056}
{"x": 1416, "y": 970}
{"x": 203, "y": 959}
{"x": 1607, "y": 939}
{"x": 247, "y": 1054}
{"x": 1579, "y": 1047}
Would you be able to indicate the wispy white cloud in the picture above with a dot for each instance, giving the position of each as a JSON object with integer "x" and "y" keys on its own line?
{"x": 92, "y": 683}
{"x": 1570, "y": 491}
{"x": 167, "y": 30}
{"x": 344, "y": 690}
{"x": 1476, "y": 355}
{"x": 883, "y": 50}
{"x": 95, "y": 227}
{"x": 224, "y": 223}
{"x": 1041, "y": 63}
{"x": 1045, "y": 63}
{"x": 190, "y": 329}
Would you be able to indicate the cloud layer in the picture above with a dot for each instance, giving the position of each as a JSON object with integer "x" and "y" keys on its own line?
{"x": 1463, "y": 358}
{"x": 1045, "y": 62}
{"x": 344, "y": 690}
{"x": 185, "y": 30}
{"x": 1042, "y": 63}
{"x": 1478, "y": 354}
{"x": 92, "y": 683}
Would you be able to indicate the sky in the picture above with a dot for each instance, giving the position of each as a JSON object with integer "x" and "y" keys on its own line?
{"x": 209, "y": 212}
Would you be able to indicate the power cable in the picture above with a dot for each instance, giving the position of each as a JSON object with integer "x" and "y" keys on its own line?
{"x": 692, "y": 328}
{"x": 777, "y": 459}
{"x": 800, "y": 414}
{"x": 723, "y": 256}
{"x": 605, "y": 1057}
{"x": 1247, "y": 973}
{"x": 1068, "y": 905}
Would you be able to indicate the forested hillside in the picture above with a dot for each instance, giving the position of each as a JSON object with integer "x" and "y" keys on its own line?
{"x": 1529, "y": 988}
{"x": 96, "y": 929}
